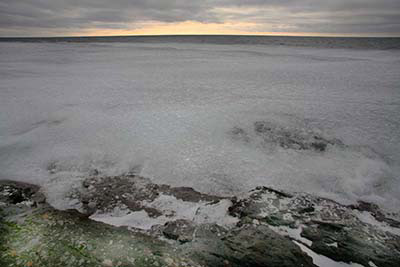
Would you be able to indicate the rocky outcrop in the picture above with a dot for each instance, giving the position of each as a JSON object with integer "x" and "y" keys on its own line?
{"x": 264, "y": 227}
{"x": 272, "y": 134}
{"x": 33, "y": 233}
{"x": 342, "y": 233}
{"x": 106, "y": 193}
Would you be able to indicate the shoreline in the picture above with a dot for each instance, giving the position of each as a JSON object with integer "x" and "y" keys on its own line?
{"x": 265, "y": 227}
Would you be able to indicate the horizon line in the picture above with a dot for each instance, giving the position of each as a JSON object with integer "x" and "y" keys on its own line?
{"x": 209, "y": 34}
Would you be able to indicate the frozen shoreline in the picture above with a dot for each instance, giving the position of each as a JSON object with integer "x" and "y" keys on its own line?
{"x": 265, "y": 227}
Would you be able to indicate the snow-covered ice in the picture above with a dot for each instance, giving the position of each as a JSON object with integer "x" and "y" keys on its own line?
{"x": 295, "y": 234}
{"x": 168, "y": 110}
{"x": 323, "y": 261}
{"x": 172, "y": 209}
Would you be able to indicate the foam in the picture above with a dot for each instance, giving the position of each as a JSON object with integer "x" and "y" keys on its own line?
{"x": 66, "y": 109}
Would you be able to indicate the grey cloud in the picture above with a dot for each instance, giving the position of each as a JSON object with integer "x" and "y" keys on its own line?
{"x": 324, "y": 16}
{"x": 338, "y": 16}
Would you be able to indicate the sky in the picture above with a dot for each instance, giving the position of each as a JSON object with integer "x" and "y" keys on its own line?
{"x": 153, "y": 17}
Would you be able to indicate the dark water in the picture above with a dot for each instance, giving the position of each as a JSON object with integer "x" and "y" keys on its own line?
{"x": 317, "y": 42}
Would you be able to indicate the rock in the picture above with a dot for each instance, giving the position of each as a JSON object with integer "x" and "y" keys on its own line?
{"x": 266, "y": 224}
{"x": 152, "y": 212}
{"x": 245, "y": 246}
{"x": 181, "y": 230}
{"x": 107, "y": 263}
{"x": 188, "y": 194}
{"x": 39, "y": 198}
{"x": 352, "y": 246}
{"x": 239, "y": 134}
{"x": 92, "y": 205}
{"x": 94, "y": 172}
{"x": 324, "y": 222}
{"x": 307, "y": 209}
{"x": 292, "y": 138}
{"x": 375, "y": 211}
{"x": 285, "y": 137}
{"x": 16, "y": 192}
{"x": 49, "y": 237}
{"x": 132, "y": 191}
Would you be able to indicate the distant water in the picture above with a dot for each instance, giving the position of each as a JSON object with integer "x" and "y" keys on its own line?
{"x": 317, "y": 42}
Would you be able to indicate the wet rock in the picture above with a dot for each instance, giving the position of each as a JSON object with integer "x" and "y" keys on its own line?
{"x": 352, "y": 245}
{"x": 266, "y": 224}
{"x": 105, "y": 193}
{"x": 272, "y": 134}
{"x": 152, "y": 212}
{"x": 91, "y": 205}
{"x": 16, "y": 192}
{"x": 260, "y": 190}
{"x": 48, "y": 237}
{"x": 307, "y": 210}
{"x": 253, "y": 204}
{"x": 180, "y": 230}
{"x": 325, "y": 226}
{"x": 39, "y": 198}
{"x": 239, "y": 134}
{"x": 189, "y": 194}
{"x": 94, "y": 172}
{"x": 245, "y": 246}
{"x": 376, "y": 212}
{"x": 291, "y": 138}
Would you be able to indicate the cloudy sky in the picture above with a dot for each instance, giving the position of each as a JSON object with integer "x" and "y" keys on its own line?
{"x": 122, "y": 17}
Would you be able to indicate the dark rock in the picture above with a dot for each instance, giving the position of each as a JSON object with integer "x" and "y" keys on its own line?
{"x": 319, "y": 146}
{"x": 352, "y": 246}
{"x": 132, "y": 191}
{"x": 375, "y": 211}
{"x": 189, "y": 194}
{"x": 307, "y": 210}
{"x": 181, "y": 230}
{"x": 152, "y": 212}
{"x": 39, "y": 198}
{"x": 259, "y": 190}
{"x": 333, "y": 226}
{"x": 49, "y": 237}
{"x": 289, "y": 138}
{"x": 94, "y": 172}
{"x": 239, "y": 134}
{"x": 268, "y": 221}
{"x": 277, "y": 220}
{"x": 246, "y": 246}
{"x": 16, "y": 192}
{"x": 245, "y": 207}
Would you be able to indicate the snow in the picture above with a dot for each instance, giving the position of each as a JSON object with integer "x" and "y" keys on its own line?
{"x": 66, "y": 109}
{"x": 323, "y": 261}
{"x": 293, "y": 233}
{"x": 367, "y": 218}
{"x": 172, "y": 209}
{"x": 137, "y": 219}
{"x": 334, "y": 244}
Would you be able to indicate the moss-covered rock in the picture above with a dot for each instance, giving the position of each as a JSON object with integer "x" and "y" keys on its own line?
{"x": 264, "y": 228}
{"x": 43, "y": 236}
